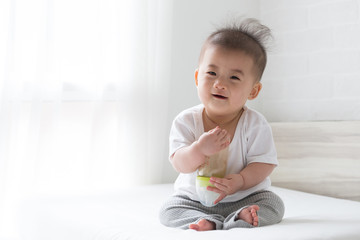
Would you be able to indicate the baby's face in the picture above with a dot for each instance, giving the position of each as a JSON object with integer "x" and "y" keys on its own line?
{"x": 225, "y": 80}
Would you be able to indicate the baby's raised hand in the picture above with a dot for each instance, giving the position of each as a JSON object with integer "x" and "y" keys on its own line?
{"x": 214, "y": 141}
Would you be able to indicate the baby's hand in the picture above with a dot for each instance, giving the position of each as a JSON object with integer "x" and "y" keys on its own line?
{"x": 214, "y": 141}
{"x": 228, "y": 185}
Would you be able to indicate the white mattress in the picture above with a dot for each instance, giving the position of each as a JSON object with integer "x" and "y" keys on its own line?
{"x": 133, "y": 214}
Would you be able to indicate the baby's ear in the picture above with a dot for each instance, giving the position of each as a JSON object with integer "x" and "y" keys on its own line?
{"x": 196, "y": 76}
{"x": 255, "y": 91}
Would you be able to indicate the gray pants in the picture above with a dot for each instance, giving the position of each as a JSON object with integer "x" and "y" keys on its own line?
{"x": 180, "y": 211}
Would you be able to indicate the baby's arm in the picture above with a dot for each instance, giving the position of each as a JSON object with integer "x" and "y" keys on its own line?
{"x": 249, "y": 177}
{"x": 255, "y": 173}
{"x": 190, "y": 158}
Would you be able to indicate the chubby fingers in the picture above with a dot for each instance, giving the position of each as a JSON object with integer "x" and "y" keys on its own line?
{"x": 221, "y": 134}
{"x": 222, "y": 194}
{"x": 215, "y": 130}
{"x": 219, "y": 183}
{"x": 221, "y": 197}
{"x": 224, "y": 136}
{"x": 218, "y": 131}
{"x": 218, "y": 188}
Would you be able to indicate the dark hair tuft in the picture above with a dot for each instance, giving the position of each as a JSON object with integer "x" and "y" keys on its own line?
{"x": 249, "y": 36}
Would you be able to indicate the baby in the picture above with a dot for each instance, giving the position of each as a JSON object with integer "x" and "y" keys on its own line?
{"x": 231, "y": 63}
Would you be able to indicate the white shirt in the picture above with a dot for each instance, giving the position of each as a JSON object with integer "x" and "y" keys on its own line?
{"x": 252, "y": 142}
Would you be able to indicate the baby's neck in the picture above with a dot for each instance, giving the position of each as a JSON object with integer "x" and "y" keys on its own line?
{"x": 225, "y": 122}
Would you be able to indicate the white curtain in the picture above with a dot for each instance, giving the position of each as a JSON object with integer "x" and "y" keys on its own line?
{"x": 83, "y": 97}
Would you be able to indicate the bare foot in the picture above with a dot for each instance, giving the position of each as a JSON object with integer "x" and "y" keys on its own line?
{"x": 249, "y": 215}
{"x": 202, "y": 225}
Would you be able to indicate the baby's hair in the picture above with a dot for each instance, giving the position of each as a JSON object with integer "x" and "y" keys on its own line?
{"x": 249, "y": 36}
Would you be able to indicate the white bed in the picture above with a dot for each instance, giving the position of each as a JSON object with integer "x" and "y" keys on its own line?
{"x": 133, "y": 214}
{"x": 330, "y": 150}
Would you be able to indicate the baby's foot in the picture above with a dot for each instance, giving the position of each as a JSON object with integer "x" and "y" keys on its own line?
{"x": 202, "y": 225}
{"x": 249, "y": 215}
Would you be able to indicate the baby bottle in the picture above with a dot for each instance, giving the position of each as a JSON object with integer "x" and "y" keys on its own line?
{"x": 214, "y": 167}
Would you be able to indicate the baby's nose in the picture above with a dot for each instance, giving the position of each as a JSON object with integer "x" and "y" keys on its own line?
{"x": 219, "y": 84}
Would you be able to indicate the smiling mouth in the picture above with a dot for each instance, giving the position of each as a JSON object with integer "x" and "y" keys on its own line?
{"x": 219, "y": 96}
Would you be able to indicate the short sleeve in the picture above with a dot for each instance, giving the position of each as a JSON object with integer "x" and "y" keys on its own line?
{"x": 260, "y": 142}
{"x": 181, "y": 134}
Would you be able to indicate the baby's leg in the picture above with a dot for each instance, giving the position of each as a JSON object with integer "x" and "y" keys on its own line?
{"x": 182, "y": 212}
{"x": 261, "y": 209}
{"x": 271, "y": 208}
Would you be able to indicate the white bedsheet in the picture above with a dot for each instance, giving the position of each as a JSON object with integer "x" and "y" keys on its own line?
{"x": 133, "y": 214}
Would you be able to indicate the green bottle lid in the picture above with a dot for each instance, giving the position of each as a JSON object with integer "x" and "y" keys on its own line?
{"x": 203, "y": 181}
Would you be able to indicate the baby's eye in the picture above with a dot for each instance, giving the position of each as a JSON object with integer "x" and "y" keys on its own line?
{"x": 211, "y": 73}
{"x": 235, "y": 78}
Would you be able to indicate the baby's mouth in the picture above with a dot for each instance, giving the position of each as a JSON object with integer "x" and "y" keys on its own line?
{"x": 219, "y": 96}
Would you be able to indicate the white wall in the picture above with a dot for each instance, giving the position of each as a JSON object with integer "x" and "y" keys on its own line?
{"x": 314, "y": 69}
